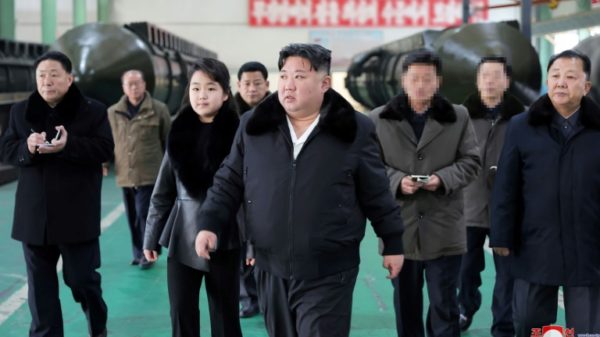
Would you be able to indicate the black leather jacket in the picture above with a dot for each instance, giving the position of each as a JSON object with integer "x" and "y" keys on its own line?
{"x": 194, "y": 153}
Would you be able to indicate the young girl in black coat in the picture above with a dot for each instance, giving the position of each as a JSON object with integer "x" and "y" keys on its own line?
{"x": 200, "y": 138}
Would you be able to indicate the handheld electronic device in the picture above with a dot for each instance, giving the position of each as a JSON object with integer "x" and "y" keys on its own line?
{"x": 420, "y": 178}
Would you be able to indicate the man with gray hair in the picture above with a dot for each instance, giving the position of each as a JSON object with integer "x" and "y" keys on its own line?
{"x": 140, "y": 125}
{"x": 308, "y": 171}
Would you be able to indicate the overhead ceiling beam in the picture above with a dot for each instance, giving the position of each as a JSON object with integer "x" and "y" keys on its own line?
{"x": 574, "y": 21}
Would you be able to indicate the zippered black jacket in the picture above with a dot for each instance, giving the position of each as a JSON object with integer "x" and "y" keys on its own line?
{"x": 305, "y": 217}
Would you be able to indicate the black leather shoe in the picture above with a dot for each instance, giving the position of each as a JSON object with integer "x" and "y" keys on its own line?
{"x": 102, "y": 334}
{"x": 134, "y": 262}
{"x": 145, "y": 264}
{"x": 249, "y": 312}
{"x": 464, "y": 322}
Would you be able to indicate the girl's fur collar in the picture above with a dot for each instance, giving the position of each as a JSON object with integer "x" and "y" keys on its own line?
{"x": 195, "y": 162}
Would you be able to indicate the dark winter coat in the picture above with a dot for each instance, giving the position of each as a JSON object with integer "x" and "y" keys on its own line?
{"x": 194, "y": 152}
{"x": 545, "y": 201}
{"x": 58, "y": 195}
{"x": 447, "y": 148}
{"x": 490, "y": 138}
{"x": 305, "y": 216}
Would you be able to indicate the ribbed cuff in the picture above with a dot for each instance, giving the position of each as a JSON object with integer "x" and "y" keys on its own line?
{"x": 392, "y": 245}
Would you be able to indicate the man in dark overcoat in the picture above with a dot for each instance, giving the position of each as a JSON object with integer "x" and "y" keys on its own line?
{"x": 308, "y": 169}
{"x": 253, "y": 87}
{"x": 58, "y": 138}
{"x": 545, "y": 209}
{"x": 490, "y": 109}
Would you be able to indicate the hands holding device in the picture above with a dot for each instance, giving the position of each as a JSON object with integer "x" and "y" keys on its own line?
{"x": 36, "y": 142}
{"x": 412, "y": 183}
{"x": 420, "y": 178}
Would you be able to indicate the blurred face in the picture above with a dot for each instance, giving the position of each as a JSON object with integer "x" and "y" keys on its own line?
{"x": 253, "y": 87}
{"x": 567, "y": 84}
{"x": 492, "y": 81}
{"x": 206, "y": 96}
{"x": 301, "y": 88}
{"x": 52, "y": 81}
{"x": 134, "y": 86}
{"x": 420, "y": 82}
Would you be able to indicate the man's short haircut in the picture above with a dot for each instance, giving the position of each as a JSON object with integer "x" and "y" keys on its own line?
{"x": 55, "y": 56}
{"x": 570, "y": 54}
{"x": 318, "y": 56}
{"x": 496, "y": 59}
{"x": 252, "y": 66}
{"x": 423, "y": 57}
{"x": 133, "y": 71}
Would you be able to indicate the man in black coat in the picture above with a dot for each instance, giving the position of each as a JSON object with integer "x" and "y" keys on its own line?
{"x": 545, "y": 209}
{"x": 309, "y": 171}
{"x": 58, "y": 138}
{"x": 490, "y": 110}
{"x": 253, "y": 87}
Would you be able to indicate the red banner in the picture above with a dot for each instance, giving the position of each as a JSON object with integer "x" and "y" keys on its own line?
{"x": 362, "y": 13}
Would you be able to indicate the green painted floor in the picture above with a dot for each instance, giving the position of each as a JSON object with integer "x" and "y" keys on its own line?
{"x": 137, "y": 300}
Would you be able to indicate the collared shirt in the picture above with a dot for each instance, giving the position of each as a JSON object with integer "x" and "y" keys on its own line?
{"x": 567, "y": 126}
{"x": 299, "y": 142}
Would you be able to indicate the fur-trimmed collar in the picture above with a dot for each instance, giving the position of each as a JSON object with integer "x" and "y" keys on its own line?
{"x": 398, "y": 108}
{"x": 337, "y": 116}
{"x": 509, "y": 106}
{"x": 196, "y": 150}
{"x": 37, "y": 109}
{"x": 542, "y": 112}
{"x": 242, "y": 106}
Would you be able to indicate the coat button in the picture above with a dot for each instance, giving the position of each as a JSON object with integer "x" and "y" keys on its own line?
{"x": 421, "y": 216}
{"x": 419, "y": 156}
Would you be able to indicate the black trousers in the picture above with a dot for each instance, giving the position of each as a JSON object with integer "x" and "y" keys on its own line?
{"x": 222, "y": 290}
{"x": 536, "y": 305}
{"x": 137, "y": 203}
{"x": 307, "y": 308}
{"x": 469, "y": 296}
{"x": 441, "y": 275}
{"x": 248, "y": 290}
{"x": 80, "y": 261}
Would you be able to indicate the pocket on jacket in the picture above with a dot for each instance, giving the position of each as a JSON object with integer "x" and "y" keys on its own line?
{"x": 346, "y": 190}
{"x": 148, "y": 126}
